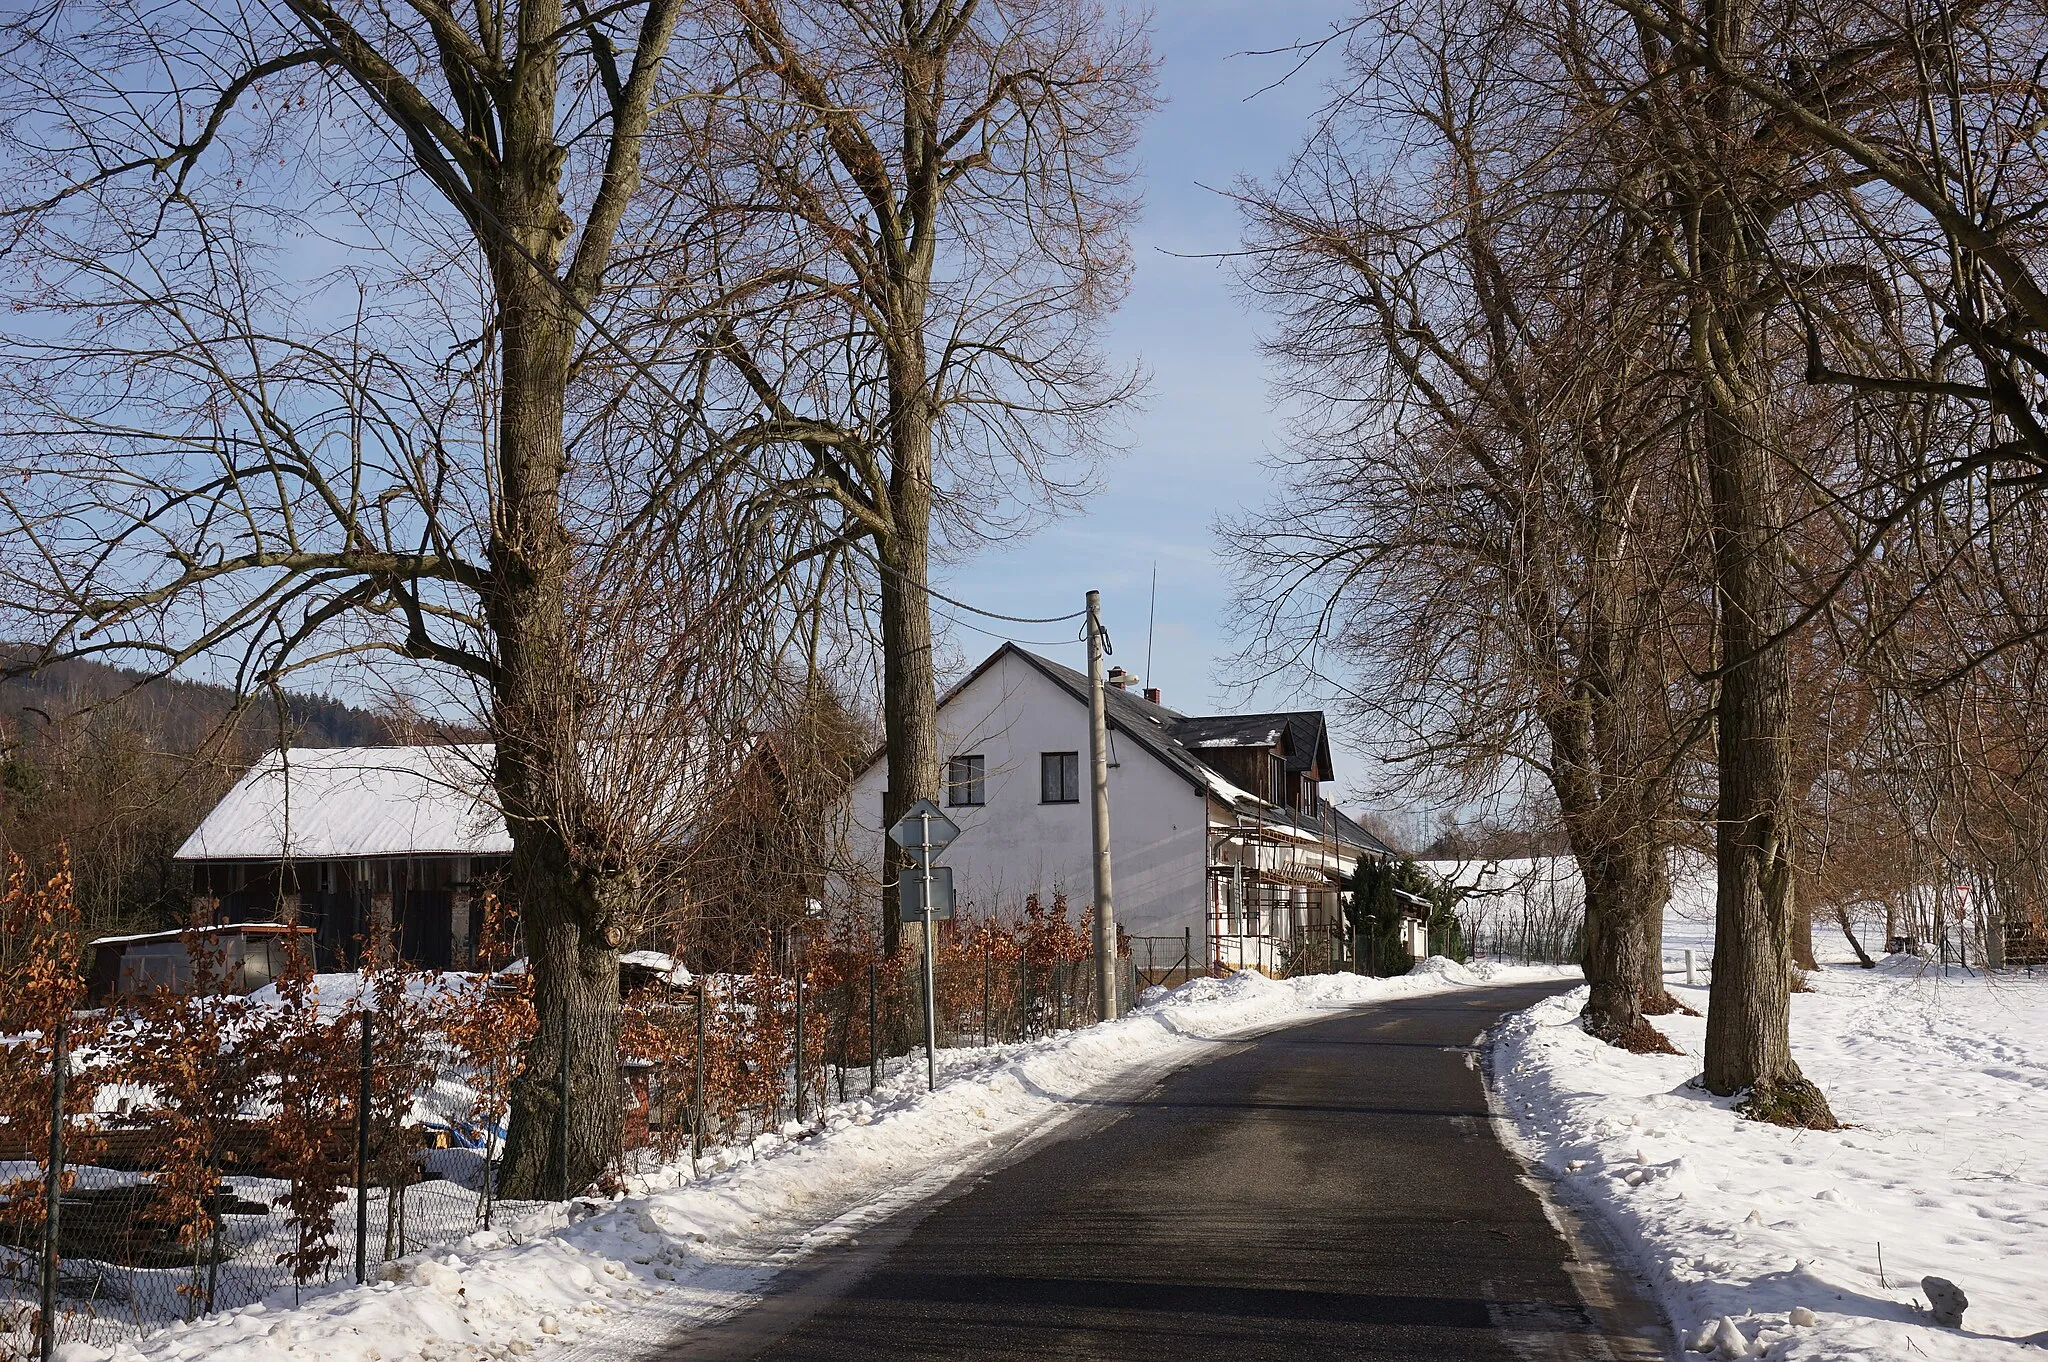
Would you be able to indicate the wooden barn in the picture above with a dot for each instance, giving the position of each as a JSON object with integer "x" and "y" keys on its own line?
{"x": 358, "y": 844}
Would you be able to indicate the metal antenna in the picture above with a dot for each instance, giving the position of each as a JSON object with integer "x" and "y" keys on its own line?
{"x": 1151, "y": 615}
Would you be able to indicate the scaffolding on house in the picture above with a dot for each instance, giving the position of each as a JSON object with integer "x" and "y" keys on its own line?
{"x": 1274, "y": 897}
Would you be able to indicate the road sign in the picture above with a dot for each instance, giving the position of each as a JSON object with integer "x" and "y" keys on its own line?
{"x": 910, "y": 894}
{"x": 924, "y": 893}
{"x": 924, "y": 828}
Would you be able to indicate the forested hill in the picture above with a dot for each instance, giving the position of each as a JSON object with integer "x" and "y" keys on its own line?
{"x": 118, "y": 768}
{"x": 180, "y": 716}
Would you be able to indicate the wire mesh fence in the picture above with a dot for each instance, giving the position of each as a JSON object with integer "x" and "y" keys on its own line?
{"x": 166, "y": 1206}
{"x": 212, "y": 1151}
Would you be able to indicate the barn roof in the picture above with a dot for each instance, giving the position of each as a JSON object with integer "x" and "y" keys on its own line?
{"x": 339, "y": 803}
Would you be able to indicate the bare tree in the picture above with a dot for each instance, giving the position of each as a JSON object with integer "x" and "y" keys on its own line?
{"x": 907, "y": 223}
{"x": 310, "y": 367}
{"x": 1957, "y": 657}
{"x": 1721, "y": 191}
{"x": 1479, "y": 522}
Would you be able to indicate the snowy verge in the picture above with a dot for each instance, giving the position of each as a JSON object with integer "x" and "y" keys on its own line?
{"x": 678, "y": 1251}
{"x": 1761, "y": 1241}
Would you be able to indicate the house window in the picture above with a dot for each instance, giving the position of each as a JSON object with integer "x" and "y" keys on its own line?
{"x": 1059, "y": 777}
{"x": 1276, "y": 776}
{"x": 965, "y": 782}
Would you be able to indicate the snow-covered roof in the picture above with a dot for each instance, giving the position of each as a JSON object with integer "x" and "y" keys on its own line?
{"x": 221, "y": 929}
{"x": 336, "y": 803}
{"x": 659, "y": 963}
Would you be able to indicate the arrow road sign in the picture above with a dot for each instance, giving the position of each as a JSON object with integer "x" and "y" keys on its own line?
{"x": 924, "y": 828}
{"x": 910, "y": 891}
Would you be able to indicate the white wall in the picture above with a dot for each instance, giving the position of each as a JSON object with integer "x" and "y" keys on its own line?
{"x": 1014, "y": 845}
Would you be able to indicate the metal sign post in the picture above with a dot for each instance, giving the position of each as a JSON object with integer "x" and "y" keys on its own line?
{"x": 931, "y": 1011}
{"x": 924, "y": 832}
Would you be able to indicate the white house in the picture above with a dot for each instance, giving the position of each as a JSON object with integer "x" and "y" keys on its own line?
{"x": 1220, "y": 838}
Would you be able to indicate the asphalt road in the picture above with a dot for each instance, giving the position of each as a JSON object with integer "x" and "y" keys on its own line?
{"x": 1331, "y": 1190}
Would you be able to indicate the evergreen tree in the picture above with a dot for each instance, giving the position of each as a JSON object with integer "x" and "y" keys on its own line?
{"x": 1383, "y": 891}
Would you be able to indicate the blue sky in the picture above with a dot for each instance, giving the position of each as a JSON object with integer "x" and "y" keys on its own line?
{"x": 1196, "y": 450}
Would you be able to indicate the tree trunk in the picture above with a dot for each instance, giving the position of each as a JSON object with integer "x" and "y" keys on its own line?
{"x": 1749, "y": 1045}
{"x": 1614, "y": 947}
{"x": 568, "y": 881}
{"x": 1849, "y": 930}
{"x": 910, "y": 714}
{"x": 575, "y": 964}
{"x": 1653, "y": 890}
{"x": 1802, "y": 935}
{"x": 1625, "y": 891}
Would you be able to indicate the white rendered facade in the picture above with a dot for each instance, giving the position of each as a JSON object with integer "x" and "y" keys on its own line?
{"x": 1200, "y": 864}
{"x": 1014, "y": 843}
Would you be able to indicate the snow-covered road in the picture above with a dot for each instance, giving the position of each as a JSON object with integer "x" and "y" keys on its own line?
{"x": 678, "y": 1252}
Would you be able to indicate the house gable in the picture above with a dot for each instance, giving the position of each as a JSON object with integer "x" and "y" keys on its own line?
{"x": 1194, "y": 751}
{"x": 1142, "y": 722}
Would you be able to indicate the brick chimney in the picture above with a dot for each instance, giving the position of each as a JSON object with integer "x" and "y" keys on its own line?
{"x": 1152, "y": 694}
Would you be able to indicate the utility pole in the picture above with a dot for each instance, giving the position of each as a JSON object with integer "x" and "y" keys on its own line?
{"x": 1098, "y": 766}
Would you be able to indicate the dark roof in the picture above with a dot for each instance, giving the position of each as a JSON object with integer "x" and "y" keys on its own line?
{"x": 1352, "y": 831}
{"x": 1300, "y": 733}
{"x": 1160, "y": 731}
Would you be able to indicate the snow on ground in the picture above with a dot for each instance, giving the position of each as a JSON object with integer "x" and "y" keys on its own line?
{"x": 627, "y": 1275}
{"x": 1943, "y": 1079}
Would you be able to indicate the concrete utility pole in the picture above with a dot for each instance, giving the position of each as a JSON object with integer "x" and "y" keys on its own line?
{"x": 1098, "y": 773}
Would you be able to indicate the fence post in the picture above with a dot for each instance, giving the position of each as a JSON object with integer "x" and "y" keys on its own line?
{"x": 1689, "y": 982}
{"x": 1024, "y": 994}
{"x": 697, "y": 1115}
{"x": 800, "y": 1041}
{"x": 213, "y": 1248}
{"x": 874, "y": 1033}
{"x": 363, "y": 1157}
{"x": 562, "y": 1100}
{"x": 987, "y": 988}
{"x": 53, "y": 1188}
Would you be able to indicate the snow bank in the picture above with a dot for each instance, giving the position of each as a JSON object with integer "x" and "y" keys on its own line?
{"x": 628, "y": 1274}
{"x": 1944, "y": 1081}
{"x": 336, "y": 994}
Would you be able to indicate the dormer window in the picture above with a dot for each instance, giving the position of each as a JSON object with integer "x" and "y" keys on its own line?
{"x": 1276, "y": 779}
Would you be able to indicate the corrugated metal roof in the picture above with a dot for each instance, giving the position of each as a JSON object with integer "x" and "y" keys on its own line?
{"x": 337, "y": 803}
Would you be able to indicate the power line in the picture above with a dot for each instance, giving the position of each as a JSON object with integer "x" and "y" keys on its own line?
{"x": 963, "y": 605}
{"x": 1005, "y": 638}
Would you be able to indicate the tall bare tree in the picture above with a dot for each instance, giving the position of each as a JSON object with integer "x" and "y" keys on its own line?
{"x": 908, "y": 223}
{"x": 1479, "y": 519}
{"x": 309, "y": 365}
